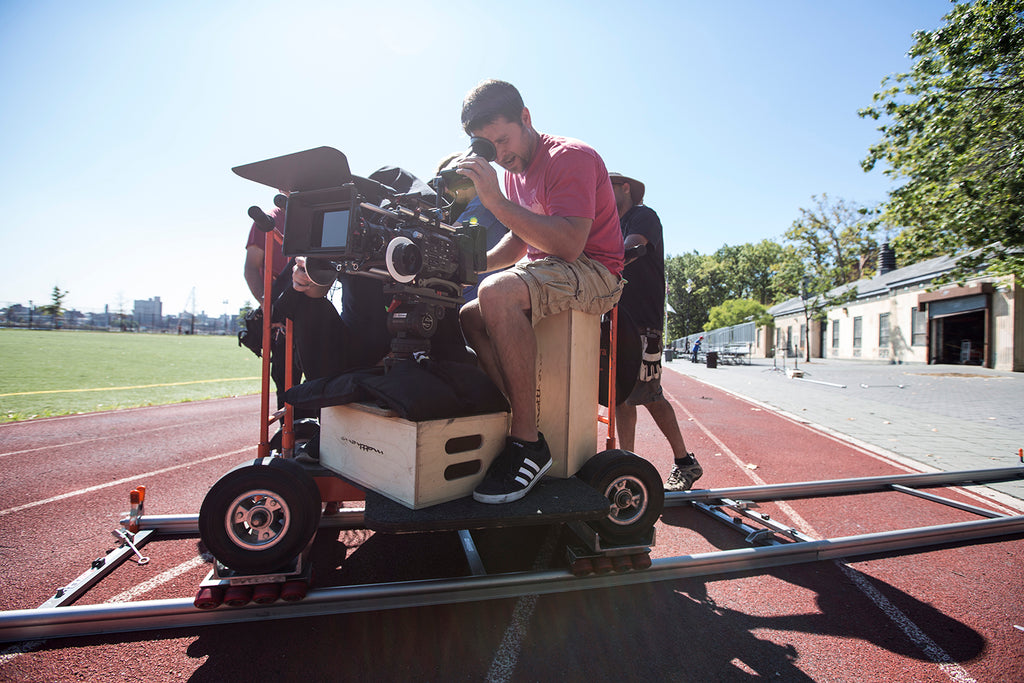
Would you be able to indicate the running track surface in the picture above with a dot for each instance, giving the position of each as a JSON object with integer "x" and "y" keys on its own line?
{"x": 948, "y": 614}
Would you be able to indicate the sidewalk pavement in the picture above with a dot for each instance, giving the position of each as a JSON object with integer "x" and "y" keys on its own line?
{"x": 946, "y": 417}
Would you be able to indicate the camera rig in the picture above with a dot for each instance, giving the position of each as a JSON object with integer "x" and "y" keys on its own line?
{"x": 348, "y": 225}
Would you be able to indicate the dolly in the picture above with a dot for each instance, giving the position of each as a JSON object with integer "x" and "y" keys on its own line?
{"x": 260, "y": 519}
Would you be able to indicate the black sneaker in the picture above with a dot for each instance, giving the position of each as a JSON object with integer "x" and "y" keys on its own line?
{"x": 682, "y": 478}
{"x": 514, "y": 472}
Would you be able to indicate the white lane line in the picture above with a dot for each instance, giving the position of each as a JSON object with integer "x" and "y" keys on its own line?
{"x": 507, "y": 655}
{"x": 103, "y": 438}
{"x": 119, "y": 482}
{"x": 932, "y": 650}
{"x": 161, "y": 579}
{"x": 19, "y": 649}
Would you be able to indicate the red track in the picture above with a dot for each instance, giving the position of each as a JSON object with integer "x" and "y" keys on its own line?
{"x": 936, "y": 616}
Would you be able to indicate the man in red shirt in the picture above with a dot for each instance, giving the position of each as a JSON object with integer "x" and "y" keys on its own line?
{"x": 561, "y": 215}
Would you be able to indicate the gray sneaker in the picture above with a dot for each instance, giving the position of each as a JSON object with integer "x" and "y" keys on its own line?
{"x": 682, "y": 478}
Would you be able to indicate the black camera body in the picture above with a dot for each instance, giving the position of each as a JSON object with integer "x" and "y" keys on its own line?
{"x": 336, "y": 226}
{"x": 348, "y": 225}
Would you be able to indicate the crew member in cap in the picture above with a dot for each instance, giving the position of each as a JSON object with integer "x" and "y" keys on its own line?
{"x": 643, "y": 299}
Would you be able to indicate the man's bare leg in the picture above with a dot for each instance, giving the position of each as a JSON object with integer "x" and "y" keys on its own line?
{"x": 665, "y": 418}
{"x": 625, "y": 426}
{"x": 504, "y": 303}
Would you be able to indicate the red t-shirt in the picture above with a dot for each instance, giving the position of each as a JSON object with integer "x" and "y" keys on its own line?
{"x": 257, "y": 238}
{"x": 568, "y": 178}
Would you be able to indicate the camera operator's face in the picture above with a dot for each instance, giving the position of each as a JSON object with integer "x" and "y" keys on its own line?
{"x": 514, "y": 141}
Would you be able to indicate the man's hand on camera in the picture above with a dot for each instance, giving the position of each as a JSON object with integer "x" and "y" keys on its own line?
{"x": 302, "y": 283}
{"x": 484, "y": 178}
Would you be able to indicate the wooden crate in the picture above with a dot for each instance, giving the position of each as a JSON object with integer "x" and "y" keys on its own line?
{"x": 417, "y": 464}
{"x": 568, "y": 354}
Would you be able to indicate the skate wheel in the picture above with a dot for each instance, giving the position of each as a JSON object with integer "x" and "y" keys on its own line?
{"x": 582, "y": 567}
{"x": 293, "y": 591}
{"x": 266, "y": 593}
{"x": 210, "y": 597}
{"x": 641, "y": 561}
{"x": 238, "y": 596}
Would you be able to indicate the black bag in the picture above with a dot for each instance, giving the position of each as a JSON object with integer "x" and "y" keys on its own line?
{"x": 251, "y": 336}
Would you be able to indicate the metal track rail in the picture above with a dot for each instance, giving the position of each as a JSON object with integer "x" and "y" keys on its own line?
{"x": 52, "y": 622}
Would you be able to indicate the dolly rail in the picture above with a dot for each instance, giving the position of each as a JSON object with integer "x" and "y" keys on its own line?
{"x": 163, "y": 614}
{"x": 79, "y": 620}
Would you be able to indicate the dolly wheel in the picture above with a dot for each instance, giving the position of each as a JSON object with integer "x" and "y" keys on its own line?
{"x": 633, "y": 488}
{"x": 259, "y": 516}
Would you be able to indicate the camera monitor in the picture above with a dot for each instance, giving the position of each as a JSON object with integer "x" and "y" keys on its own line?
{"x": 321, "y": 222}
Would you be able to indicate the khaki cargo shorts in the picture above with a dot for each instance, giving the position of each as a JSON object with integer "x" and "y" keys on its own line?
{"x": 557, "y": 285}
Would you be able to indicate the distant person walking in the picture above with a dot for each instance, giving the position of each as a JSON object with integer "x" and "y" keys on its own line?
{"x": 696, "y": 350}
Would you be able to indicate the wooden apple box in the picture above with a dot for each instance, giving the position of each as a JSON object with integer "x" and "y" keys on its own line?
{"x": 568, "y": 356}
{"x": 417, "y": 464}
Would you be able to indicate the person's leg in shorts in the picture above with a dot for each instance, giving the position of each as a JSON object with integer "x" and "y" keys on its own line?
{"x": 499, "y": 326}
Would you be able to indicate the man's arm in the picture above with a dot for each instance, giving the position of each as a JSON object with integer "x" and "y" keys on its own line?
{"x": 556, "y": 235}
{"x": 253, "y": 263}
{"x": 506, "y": 252}
{"x": 633, "y": 240}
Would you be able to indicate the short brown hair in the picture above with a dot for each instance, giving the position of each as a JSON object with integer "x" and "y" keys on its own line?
{"x": 489, "y": 100}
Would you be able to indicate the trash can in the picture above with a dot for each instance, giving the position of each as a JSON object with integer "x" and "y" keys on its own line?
{"x": 712, "y": 359}
{"x": 670, "y": 354}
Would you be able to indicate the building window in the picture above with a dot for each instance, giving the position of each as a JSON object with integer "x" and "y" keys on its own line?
{"x": 858, "y": 330}
{"x": 883, "y": 330}
{"x": 835, "y": 334}
{"x": 918, "y": 327}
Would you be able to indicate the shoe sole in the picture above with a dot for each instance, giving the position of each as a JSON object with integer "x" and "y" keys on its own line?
{"x": 494, "y": 498}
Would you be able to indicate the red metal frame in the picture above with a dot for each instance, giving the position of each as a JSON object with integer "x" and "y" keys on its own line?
{"x": 613, "y": 336}
{"x": 266, "y": 418}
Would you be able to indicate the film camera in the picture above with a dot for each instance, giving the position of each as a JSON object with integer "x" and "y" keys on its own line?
{"x": 348, "y": 225}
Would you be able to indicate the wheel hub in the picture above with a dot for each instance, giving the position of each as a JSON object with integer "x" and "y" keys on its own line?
{"x": 628, "y": 498}
{"x": 257, "y": 520}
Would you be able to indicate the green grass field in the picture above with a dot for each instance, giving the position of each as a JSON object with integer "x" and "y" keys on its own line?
{"x": 56, "y": 372}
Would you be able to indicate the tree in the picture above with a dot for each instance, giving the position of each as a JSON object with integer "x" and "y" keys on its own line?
{"x": 736, "y": 311}
{"x": 954, "y": 132}
{"x": 835, "y": 241}
{"x": 695, "y": 283}
{"x": 56, "y": 306}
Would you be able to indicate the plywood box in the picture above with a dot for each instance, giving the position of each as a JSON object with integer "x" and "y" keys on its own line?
{"x": 568, "y": 354}
{"x": 417, "y": 464}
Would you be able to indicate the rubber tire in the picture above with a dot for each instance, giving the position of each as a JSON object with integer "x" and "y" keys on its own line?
{"x": 633, "y": 487}
{"x": 300, "y": 505}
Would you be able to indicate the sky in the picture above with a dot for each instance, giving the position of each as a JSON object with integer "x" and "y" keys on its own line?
{"x": 120, "y": 122}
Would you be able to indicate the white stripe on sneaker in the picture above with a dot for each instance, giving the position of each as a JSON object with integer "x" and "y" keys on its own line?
{"x": 526, "y": 474}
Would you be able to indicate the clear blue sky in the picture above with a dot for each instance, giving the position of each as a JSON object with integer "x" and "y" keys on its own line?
{"x": 120, "y": 121}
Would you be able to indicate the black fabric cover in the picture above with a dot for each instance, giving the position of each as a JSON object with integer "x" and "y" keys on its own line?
{"x": 417, "y": 391}
{"x": 332, "y": 391}
{"x": 433, "y": 390}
